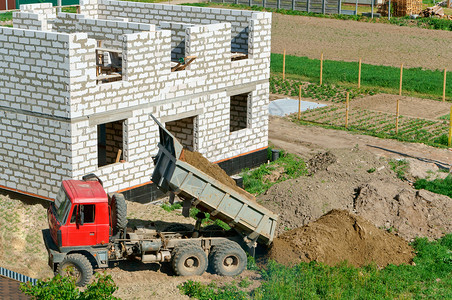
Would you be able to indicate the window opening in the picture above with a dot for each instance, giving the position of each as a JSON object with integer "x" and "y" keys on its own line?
{"x": 110, "y": 142}
{"x": 238, "y": 112}
{"x": 108, "y": 64}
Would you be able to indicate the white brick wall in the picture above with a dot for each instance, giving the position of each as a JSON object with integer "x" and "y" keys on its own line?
{"x": 48, "y": 87}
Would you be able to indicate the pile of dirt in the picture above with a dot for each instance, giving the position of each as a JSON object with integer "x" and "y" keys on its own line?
{"x": 361, "y": 183}
{"x": 341, "y": 236}
{"x": 410, "y": 213}
{"x": 305, "y": 199}
{"x": 213, "y": 170}
{"x": 320, "y": 161}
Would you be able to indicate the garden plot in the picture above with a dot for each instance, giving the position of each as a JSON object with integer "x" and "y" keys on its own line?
{"x": 382, "y": 124}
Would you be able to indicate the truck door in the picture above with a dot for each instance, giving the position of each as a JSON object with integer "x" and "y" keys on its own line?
{"x": 82, "y": 229}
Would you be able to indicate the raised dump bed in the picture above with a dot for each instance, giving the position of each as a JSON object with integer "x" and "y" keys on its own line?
{"x": 253, "y": 221}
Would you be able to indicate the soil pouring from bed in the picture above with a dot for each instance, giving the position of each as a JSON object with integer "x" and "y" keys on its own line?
{"x": 213, "y": 170}
{"x": 341, "y": 236}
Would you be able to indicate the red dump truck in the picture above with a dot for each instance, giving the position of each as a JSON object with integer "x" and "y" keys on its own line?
{"x": 88, "y": 227}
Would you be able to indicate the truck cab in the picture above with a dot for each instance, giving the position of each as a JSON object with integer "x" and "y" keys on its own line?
{"x": 79, "y": 216}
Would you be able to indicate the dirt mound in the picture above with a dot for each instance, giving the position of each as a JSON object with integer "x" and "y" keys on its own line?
{"x": 411, "y": 213}
{"x": 302, "y": 200}
{"x": 320, "y": 161}
{"x": 213, "y": 170}
{"x": 338, "y": 236}
{"x": 361, "y": 183}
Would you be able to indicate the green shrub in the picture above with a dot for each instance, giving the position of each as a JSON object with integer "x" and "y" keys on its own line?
{"x": 211, "y": 292}
{"x": 439, "y": 186}
{"x": 290, "y": 166}
{"x": 64, "y": 288}
{"x": 399, "y": 166}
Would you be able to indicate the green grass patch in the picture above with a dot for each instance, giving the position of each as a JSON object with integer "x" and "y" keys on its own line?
{"x": 415, "y": 80}
{"x": 171, "y": 207}
{"x": 445, "y": 117}
{"x": 259, "y": 180}
{"x": 429, "y": 278}
{"x": 399, "y": 166}
{"x": 439, "y": 186}
{"x": 7, "y": 16}
{"x": 325, "y": 92}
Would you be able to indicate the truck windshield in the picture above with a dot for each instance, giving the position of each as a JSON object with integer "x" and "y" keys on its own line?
{"x": 62, "y": 206}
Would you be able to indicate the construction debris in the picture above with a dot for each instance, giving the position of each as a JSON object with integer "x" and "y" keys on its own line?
{"x": 401, "y": 8}
{"x": 432, "y": 11}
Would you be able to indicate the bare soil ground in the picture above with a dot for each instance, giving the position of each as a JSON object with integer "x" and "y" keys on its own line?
{"x": 307, "y": 141}
{"x": 377, "y": 44}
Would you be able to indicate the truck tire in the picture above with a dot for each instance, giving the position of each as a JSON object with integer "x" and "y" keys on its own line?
{"x": 119, "y": 211}
{"x": 188, "y": 260}
{"x": 77, "y": 266}
{"x": 228, "y": 259}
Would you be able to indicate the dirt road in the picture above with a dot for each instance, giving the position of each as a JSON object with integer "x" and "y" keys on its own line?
{"x": 378, "y": 44}
{"x": 308, "y": 140}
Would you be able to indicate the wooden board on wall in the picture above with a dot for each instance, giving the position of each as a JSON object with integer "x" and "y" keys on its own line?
{"x": 11, "y": 4}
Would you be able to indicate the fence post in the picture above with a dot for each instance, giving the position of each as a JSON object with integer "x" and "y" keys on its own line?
{"x": 389, "y": 10}
{"x": 356, "y": 8}
{"x": 346, "y": 110}
{"x": 299, "y": 102}
{"x": 401, "y": 76}
{"x": 449, "y": 140}
{"x": 321, "y": 68}
{"x": 263, "y": 3}
{"x": 359, "y": 73}
{"x": 339, "y": 8}
{"x": 308, "y": 3}
{"x": 236, "y": 2}
{"x": 293, "y": 4}
{"x": 444, "y": 85}
{"x": 323, "y": 6}
{"x": 278, "y": 4}
{"x": 372, "y": 9}
{"x": 250, "y": 3}
{"x": 397, "y": 118}
{"x": 284, "y": 65}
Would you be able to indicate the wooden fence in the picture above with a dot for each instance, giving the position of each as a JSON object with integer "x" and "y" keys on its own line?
{"x": 315, "y": 6}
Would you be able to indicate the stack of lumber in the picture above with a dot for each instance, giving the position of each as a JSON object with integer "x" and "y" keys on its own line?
{"x": 432, "y": 11}
{"x": 401, "y": 8}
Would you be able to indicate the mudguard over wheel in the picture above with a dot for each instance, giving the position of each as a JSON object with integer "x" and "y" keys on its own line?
{"x": 76, "y": 266}
{"x": 189, "y": 259}
{"x": 119, "y": 211}
{"x": 228, "y": 259}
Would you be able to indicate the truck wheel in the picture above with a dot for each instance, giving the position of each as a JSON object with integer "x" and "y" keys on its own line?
{"x": 229, "y": 259}
{"x": 119, "y": 211}
{"x": 189, "y": 260}
{"x": 77, "y": 266}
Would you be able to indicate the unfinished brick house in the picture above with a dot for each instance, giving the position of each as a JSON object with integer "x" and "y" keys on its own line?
{"x": 77, "y": 91}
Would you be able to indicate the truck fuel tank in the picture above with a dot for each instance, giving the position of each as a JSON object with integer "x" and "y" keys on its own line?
{"x": 152, "y": 245}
